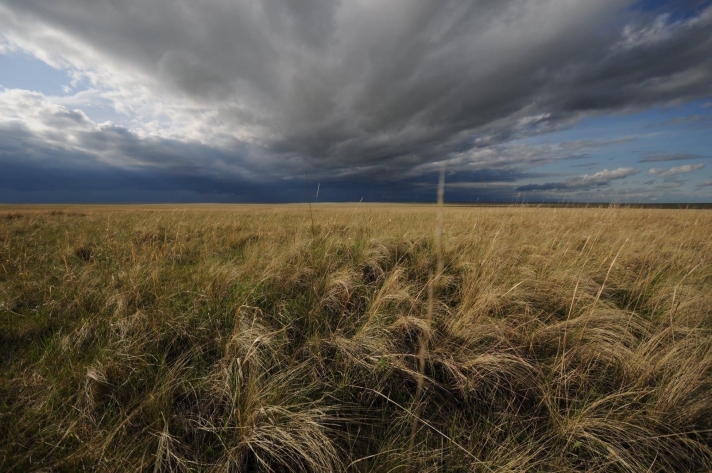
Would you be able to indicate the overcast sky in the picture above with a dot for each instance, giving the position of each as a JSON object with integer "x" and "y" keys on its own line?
{"x": 239, "y": 100}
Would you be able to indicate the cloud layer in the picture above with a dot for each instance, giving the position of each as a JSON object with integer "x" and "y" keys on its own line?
{"x": 585, "y": 182}
{"x": 674, "y": 171}
{"x": 265, "y": 91}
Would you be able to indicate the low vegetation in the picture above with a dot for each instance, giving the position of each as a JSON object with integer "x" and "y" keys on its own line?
{"x": 274, "y": 339}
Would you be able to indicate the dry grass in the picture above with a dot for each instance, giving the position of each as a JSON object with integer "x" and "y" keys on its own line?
{"x": 243, "y": 339}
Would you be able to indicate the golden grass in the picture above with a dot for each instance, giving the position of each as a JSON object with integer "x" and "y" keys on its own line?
{"x": 239, "y": 338}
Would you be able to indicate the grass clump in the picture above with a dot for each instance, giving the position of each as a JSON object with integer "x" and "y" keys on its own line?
{"x": 258, "y": 339}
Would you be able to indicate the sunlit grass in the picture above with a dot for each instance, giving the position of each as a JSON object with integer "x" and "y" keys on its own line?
{"x": 241, "y": 338}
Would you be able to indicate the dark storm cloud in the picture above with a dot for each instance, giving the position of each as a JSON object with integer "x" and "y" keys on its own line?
{"x": 105, "y": 148}
{"x": 57, "y": 174}
{"x": 361, "y": 88}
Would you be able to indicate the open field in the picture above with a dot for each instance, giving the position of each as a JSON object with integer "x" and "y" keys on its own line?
{"x": 244, "y": 338}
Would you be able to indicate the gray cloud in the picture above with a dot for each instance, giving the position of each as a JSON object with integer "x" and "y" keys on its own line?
{"x": 655, "y": 158}
{"x": 586, "y": 165}
{"x": 358, "y": 88}
{"x": 582, "y": 144}
{"x": 671, "y": 185}
{"x": 585, "y": 182}
{"x": 689, "y": 120}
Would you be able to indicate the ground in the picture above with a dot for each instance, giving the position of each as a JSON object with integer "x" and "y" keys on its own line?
{"x": 323, "y": 338}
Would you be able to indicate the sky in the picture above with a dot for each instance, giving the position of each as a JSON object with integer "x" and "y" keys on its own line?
{"x": 268, "y": 101}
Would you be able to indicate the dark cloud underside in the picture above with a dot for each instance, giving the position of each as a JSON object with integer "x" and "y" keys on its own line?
{"x": 225, "y": 95}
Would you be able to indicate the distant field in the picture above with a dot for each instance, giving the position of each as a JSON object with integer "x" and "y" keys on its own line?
{"x": 258, "y": 338}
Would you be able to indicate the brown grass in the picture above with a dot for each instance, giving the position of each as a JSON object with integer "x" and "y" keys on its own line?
{"x": 229, "y": 338}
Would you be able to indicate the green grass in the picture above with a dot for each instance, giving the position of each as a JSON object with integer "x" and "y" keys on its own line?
{"x": 238, "y": 338}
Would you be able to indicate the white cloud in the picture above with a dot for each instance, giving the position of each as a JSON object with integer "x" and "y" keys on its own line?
{"x": 659, "y": 31}
{"x": 687, "y": 168}
{"x": 40, "y": 115}
{"x": 605, "y": 176}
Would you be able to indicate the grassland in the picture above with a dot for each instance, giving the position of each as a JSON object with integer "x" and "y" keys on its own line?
{"x": 272, "y": 338}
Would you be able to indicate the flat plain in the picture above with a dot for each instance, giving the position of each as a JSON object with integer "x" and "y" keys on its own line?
{"x": 290, "y": 338}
